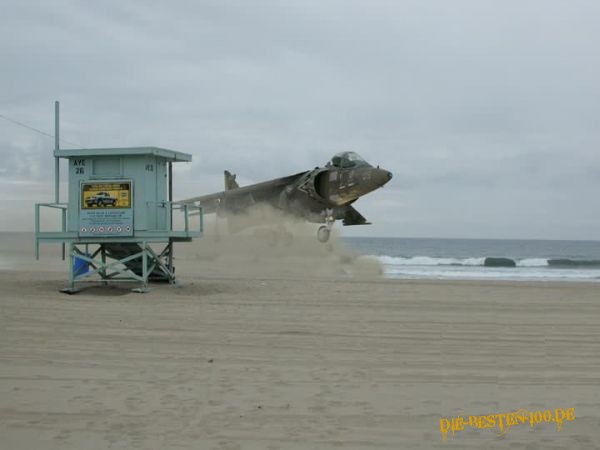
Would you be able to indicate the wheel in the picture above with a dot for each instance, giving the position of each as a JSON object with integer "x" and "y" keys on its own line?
{"x": 323, "y": 234}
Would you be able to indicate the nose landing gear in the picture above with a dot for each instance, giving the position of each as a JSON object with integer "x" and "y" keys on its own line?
{"x": 324, "y": 231}
{"x": 323, "y": 234}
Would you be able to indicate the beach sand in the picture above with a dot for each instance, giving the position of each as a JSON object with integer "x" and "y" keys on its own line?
{"x": 299, "y": 347}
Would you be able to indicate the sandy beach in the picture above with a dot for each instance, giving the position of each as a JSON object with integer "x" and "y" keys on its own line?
{"x": 304, "y": 347}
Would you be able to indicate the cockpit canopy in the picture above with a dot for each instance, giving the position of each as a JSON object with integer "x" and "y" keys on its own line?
{"x": 344, "y": 160}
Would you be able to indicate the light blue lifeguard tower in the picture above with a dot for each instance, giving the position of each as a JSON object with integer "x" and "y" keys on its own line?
{"x": 118, "y": 220}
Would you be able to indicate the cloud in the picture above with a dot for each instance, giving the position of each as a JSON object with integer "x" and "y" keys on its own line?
{"x": 486, "y": 112}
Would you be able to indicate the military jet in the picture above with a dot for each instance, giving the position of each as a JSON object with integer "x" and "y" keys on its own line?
{"x": 322, "y": 195}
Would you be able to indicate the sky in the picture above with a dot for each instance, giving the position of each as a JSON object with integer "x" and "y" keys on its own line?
{"x": 487, "y": 112}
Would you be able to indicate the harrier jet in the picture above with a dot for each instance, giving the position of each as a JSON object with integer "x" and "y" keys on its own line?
{"x": 322, "y": 195}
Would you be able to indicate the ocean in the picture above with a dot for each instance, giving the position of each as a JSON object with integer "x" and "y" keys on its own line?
{"x": 428, "y": 258}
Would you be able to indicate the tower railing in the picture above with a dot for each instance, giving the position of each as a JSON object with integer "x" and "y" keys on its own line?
{"x": 190, "y": 230}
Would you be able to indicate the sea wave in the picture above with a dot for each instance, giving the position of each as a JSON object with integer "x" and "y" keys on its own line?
{"x": 563, "y": 262}
{"x": 430, "y": 261}
{"x": 481, "y": 261}
{"x": 485, "y": 273}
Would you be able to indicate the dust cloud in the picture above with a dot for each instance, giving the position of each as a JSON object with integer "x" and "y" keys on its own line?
{"x": 267, "y": 243}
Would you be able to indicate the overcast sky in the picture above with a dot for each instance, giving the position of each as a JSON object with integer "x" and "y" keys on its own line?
{"x": 487, "y": 112}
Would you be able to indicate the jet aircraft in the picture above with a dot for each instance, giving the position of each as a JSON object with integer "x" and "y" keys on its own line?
{"x": 322, "y": 195}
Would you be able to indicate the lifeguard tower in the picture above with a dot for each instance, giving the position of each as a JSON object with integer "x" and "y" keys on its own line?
{"x": 118, "y": 220}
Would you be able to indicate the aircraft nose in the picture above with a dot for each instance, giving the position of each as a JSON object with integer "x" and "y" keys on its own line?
{"x": 383, "y": 176}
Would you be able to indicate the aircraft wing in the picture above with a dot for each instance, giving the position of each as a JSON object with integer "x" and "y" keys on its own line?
{"x": 353, "y": 217}
{"x": 245, "y": 195}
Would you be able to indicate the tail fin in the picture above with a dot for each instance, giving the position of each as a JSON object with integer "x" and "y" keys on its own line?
{"x": 230, "y": 182}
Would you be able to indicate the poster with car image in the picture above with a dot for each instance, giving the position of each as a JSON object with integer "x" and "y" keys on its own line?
{"x": 106, "y": 209}
{"x": 105, "y": 195}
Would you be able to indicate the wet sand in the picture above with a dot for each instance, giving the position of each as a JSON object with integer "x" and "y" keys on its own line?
{"x": 304, "y": 348}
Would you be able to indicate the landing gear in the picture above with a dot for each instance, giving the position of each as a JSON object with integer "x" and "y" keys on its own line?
{"x": 324, "y": 231}
{"x": 323, "y": 234}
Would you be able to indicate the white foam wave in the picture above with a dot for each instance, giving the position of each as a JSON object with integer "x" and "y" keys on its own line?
{"x": 533, "y": 262}
{"x": 429, "y": 261}
{"x": 425, "y": 267}
{"x": 486, "y": 273}
{"x": 474, "y": 261}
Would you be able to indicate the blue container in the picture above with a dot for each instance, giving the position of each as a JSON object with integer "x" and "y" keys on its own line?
{"x": 80, "y": 266}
